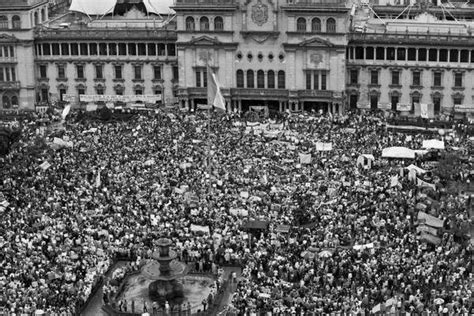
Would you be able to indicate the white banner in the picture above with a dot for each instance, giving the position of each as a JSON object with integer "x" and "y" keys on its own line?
{"x": 464, "y": 108}
{"x": 120, "y": 98}
{"x": 363, "y": 105}
{"x": 403, "y": 107}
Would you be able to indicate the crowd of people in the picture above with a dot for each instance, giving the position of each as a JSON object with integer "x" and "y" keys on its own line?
{"x": 70, "y": 206}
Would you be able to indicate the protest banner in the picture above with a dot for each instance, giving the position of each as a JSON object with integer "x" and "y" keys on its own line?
{"x": 45, "y": 165}
{"x": 200, "y": 228}
{"x": 430, "y": 220}
{"x": 305, "y": 158}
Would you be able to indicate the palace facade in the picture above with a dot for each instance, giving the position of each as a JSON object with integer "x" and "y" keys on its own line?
{"x": 329, "y": 55}
{"x": 412, "y": 56}
{"x": 286, "y": 55}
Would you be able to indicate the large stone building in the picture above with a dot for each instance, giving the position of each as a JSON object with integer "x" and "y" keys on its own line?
{"x": 407, "y": 57}
{"x": 328, "y": 55}
{"x": 289, "y": 55}
{"x": 18, "y": 18}
{"x": 107, "y": 48}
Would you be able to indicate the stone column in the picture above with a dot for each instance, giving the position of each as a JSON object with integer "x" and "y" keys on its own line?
{"x": 186, "y": 103}
{"x": 280, "y": 106}
{"x": 240, "y": 106}
{"x": 191, "y": 103}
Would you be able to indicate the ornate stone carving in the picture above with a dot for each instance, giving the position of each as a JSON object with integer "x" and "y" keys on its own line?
{"x": 260, "y": 13}
{"x": 316, "y": 58}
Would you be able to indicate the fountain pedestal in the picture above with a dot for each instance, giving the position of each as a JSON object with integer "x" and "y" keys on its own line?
{"x": 165, "y": 272}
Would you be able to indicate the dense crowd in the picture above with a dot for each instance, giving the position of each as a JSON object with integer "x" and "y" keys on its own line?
{"x": 353, "y": 244}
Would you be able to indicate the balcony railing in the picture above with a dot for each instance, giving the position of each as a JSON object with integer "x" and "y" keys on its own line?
{"x": 327, "y": 3}
{"x": 257, "y": 93}
{"x": 205, "y": 2}
{"x": 108, "y": 33}
{"x": 315, "y": 93}
{"x": 9, "y": 85}
{"x": 414, "y": 36}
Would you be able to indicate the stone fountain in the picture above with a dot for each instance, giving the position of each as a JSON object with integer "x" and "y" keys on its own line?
{"x": 165, "y": 271}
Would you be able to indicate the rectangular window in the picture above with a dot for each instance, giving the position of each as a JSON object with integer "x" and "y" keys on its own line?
{"x": 323, "y": 81}
{"x": 65, "y": 49}
{"x": 13, "y": 70}
{"x": 118, "y": 72}
{"x": 93, "y": 49}
{"x": 457, "y": 100}
{"x": 2, "y": 77}
{"x": 46, "y": 50}
{"x": 380, "y": 53}
{"x": 417, "y": 78}
{"x": 394, "y": 100}
{"x": 161, "y": 50}
{"x": 316, "y": 81}
{"x": 138, "y": 72}
{"x": 421, "y": 54}
{"x": 308, "y": 80}
{"x": 354, "y": 76}
{"x": 464, "y": 56}
{"x": 42, "y": 71}
{"x": 171, "y": 50}
{"x": 62, "y": 92}
{"x": 443, "y": 55}
{"x": 80, "y": 71}
{"x": 374, "y": 77}
{"x": 401, "y": 54}
{"x": 204, "y": 78}
{"x": 61, "y": 72}
{"x": 84, "y": 49}
{"x": 132, "y": 49}
{"x": 122, "y": 49}
{"x": 198, "y": 78}
{"x": 1, "y": 51}
{"x": 458, "y": 79}
{"x": 141, "y": 49}
{"x": 112, "y": 49}
{"x": 44, "y": 94}
{"x": 81, "y": 91}
{"x": 100, "y": 90}
{"x": 437, "y": 79}
{"x": 99, "y": 72}
{"x": 395, "y": 77}
{"x": 12, "y": 51}
{"x": 103, "y": 49}
{"x": 412, "y": 54}
{"x": 138, "y": 91}
{"x": 369, "y": 53}
{"x": 175, "y": 73}
{"x": 433, "y": 54}
{"x": 453, "y": 55}
{"x": 151, "y": 50}
{"x": 55, "y": 49}
{"x": 7, "y": 74}
{"x": 74, "y": 49}
{"x": 157, "y": 72}
{"x": 390, "y": 53}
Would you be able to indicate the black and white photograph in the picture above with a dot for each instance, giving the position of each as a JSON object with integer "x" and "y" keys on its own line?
{"x": 236, "y": 157}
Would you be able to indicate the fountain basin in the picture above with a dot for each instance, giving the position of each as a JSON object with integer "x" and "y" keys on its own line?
{"x": 195, "y": 288}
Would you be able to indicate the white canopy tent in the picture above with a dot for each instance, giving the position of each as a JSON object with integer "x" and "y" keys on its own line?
{"x": 102, "y": 7}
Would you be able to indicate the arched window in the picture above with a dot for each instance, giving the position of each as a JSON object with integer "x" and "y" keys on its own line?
{"x": 316, "y": 25}
{"x": 15, "y": 101}
{"x": 260, "y": 79}
{"x": 43, "y": 15}
{"x": 36, "y": 18}
{"x": 271, "y": 79}
{"x": 218, "y": 23}
{"x": 190, "y": 23}
{"x": 331, "y": 25}
{"x": 16, "y": 22}
{"x": 250, "y": 79}
{"x": 204, "y": 24}
{"x": 281, "y": 79}
{"x": 301, "y": 25}
{"x": 240, "y": 79}
{"x": 6, "y": 102}
{"x": 3, "y": 22}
